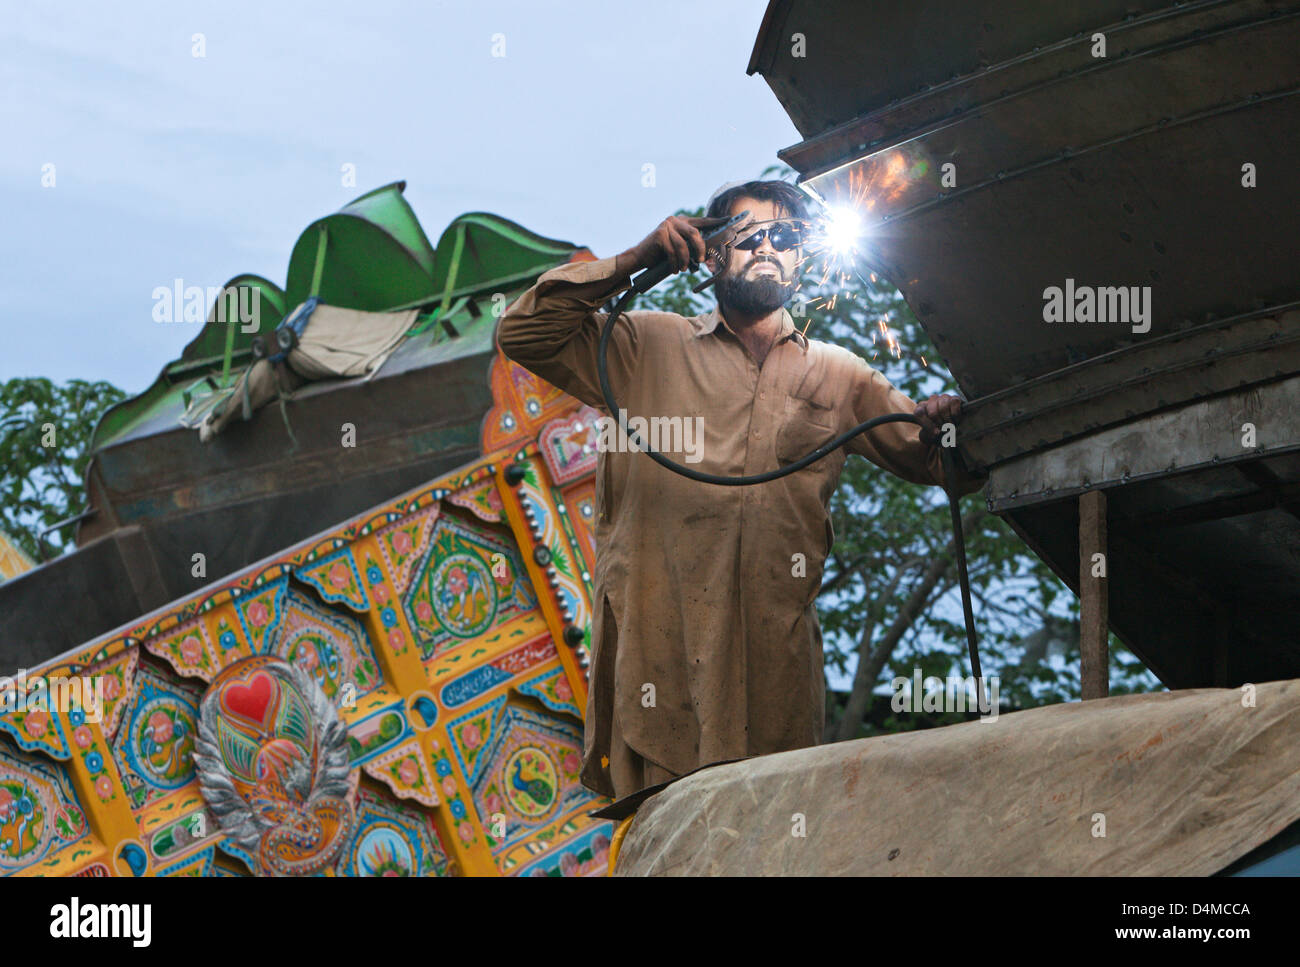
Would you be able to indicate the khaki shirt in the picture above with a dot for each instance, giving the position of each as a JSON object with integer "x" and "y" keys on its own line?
{"x": 706, "y": 644}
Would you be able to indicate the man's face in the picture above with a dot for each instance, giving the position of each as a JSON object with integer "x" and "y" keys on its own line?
{"x": 760, "y": 280}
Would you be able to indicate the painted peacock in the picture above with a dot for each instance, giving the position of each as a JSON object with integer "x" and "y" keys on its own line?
{"x": 538, "y": 790}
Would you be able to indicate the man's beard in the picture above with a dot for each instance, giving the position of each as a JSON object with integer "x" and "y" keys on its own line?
{"x": 753, "y": 296}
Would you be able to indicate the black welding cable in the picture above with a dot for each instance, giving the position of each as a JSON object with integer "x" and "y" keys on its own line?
{"x": 949, "y": 466}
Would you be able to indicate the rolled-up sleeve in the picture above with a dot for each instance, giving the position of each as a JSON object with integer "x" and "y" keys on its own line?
{"x": 553, "y": 329}
{"x": 897, "y": 447}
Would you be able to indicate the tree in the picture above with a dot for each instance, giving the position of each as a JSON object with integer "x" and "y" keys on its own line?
{"x": 889, "y": 602}
{"x": 44, "y": 449}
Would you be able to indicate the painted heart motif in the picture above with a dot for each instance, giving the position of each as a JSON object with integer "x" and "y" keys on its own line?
{"x": 253, "y": 700}
{"x": 563, "y": 442}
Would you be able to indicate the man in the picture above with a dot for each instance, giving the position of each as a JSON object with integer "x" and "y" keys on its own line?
{"x": 705, "y": 643}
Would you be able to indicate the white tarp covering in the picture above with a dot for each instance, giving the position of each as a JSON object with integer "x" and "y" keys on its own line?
{"x": 336, "y": 343}
{"x": 1184, "y": 782}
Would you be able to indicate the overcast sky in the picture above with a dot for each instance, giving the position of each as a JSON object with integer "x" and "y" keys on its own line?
{"x": 168, "y": 165}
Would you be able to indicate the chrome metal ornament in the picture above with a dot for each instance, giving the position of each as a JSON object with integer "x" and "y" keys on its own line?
{"x": 272, "y": 759}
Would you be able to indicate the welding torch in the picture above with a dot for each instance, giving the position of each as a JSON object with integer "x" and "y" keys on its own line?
{"x": 715, "y": 242}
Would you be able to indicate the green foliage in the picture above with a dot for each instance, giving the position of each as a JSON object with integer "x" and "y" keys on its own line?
{"x": 893, "y": 537}
{"x": 44, "y": 449}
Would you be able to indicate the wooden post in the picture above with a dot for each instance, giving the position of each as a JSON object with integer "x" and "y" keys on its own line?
{"x": 1094, "y": 610}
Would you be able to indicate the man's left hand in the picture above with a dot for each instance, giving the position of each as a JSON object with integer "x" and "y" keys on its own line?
{"x": 934, "y": 413}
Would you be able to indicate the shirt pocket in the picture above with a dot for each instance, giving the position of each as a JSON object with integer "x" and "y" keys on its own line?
{"x": 809, "y": 422}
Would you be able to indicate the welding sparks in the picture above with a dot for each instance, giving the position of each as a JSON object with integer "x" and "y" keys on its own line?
{"x": 843, "y": 230}
{"x": 838, "y": 245}
{"x": 891, "y": 342}
{"x": 836, "y": 241}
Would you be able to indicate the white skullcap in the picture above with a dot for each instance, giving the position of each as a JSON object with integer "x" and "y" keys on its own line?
{"x": 725, "y": 188}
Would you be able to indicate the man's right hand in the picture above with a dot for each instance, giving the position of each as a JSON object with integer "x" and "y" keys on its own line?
{"x": 676, "y": 239}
